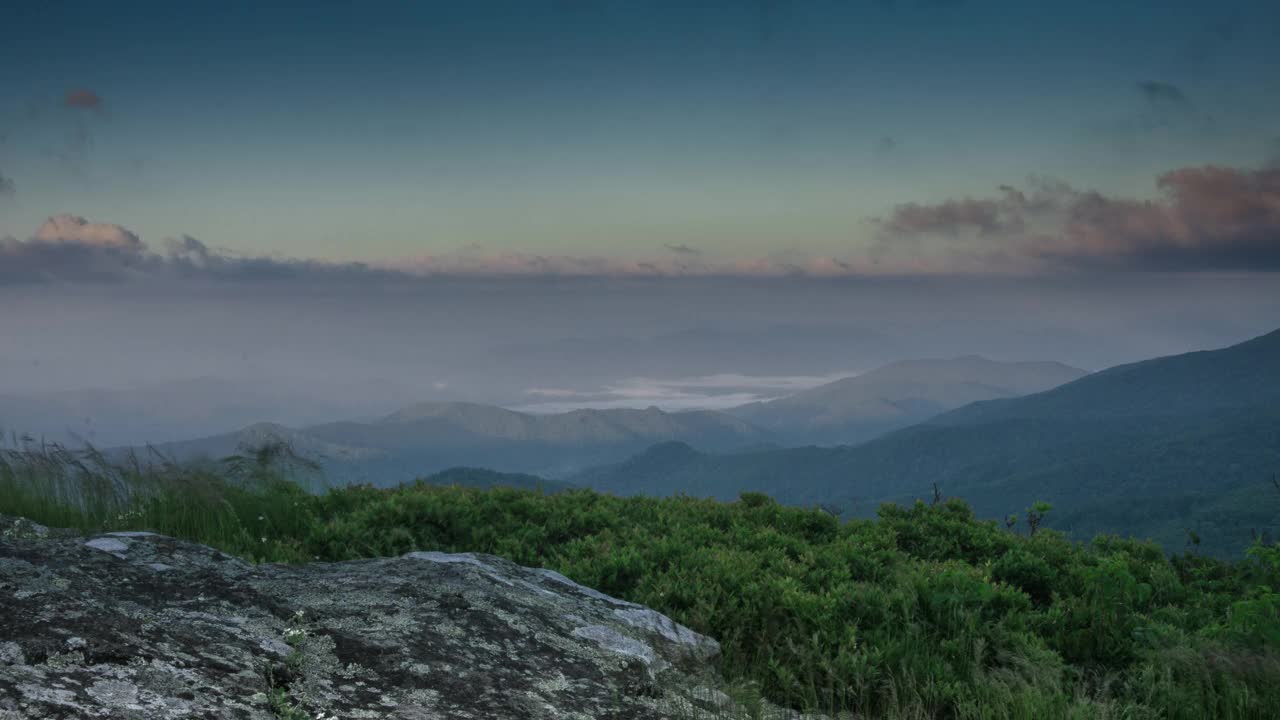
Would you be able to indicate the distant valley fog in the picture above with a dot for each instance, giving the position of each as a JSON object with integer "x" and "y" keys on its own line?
{"x": 155, "y": 362}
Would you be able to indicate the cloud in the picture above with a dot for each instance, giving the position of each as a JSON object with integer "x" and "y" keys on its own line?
{"x": 8, "y": 188}
{"x": 682, "y": 249}
{"x": 69, "y": 248}
{"x": 73, "y": 152}
{"x": 475, "y": 261}
{"x": 83, "y": 98}
{"x": 704, "y": 392}
{"x": 1207, "y": 218}
{"x": 1163, "y": 113}
{"x": 987, "y": 217}
{"x": 1163, "y": 95}
{"x": 74, "y": 229}
{"x": 1204, "y": 218}
{"x": 37, "y": 261}
{"x": 1164, "y": 105}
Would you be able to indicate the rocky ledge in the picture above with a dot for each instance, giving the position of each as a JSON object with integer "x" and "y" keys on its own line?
{"x": 140, "y": 626}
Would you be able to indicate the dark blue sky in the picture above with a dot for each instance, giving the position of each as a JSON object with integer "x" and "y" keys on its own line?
{"x": 730, "y": 136}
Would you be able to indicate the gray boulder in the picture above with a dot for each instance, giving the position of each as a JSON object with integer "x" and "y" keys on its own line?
{"x": 140, "y": 626}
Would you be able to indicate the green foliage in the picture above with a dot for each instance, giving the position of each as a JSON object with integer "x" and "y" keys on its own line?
{"x": 1035, "y": 515}
{"x": 246, "y": 505}
{"x": 925, "y": 612}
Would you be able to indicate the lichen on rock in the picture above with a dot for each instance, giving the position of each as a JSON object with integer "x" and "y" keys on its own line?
{"x": 140, "y": 626}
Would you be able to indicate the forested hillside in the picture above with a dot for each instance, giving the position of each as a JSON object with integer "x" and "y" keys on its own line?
{"x": 1153, "y": 449}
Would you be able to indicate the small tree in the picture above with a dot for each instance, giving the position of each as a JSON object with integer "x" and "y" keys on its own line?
{"x": 1193, "y": 541}
{"x": 1035, "y": 515}
{"x": 1010, "y": 521}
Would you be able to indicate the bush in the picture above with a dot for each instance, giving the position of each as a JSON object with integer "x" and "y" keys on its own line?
{"x": 926, "y": 612}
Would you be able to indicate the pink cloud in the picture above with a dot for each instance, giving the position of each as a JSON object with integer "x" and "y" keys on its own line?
{"x": 1206, "y": 218}
{"x": 83, "y": 98}
{"x": 74, "y": 229}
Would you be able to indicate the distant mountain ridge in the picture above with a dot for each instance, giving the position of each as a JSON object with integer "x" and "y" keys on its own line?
{"x": 430, "y": 437}
{"x": 1152, "y": 448}
{"x": 1195, "y": 382}
{"x": 574, "y": 427}
{"x": 858, "y": 408}
{"x": 176, "y": 410}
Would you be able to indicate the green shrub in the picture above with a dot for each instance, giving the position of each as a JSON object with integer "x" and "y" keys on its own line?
{"x": 926, "y": 612}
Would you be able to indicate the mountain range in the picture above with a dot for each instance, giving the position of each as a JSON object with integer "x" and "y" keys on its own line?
{"x": 176, "y": 410}
{"x": 1155, "y": 449}
{"x": 1171, "y": 448}
{"x": 858, "y": 408}
{"x": 429, "y": 437}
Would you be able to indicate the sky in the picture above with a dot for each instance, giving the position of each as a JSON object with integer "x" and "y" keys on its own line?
{"x": 559, "y": 179}
{"x": 707, "y": 132}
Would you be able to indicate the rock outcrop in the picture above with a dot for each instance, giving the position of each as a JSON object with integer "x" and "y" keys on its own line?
{"x": 140, "y": 626}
